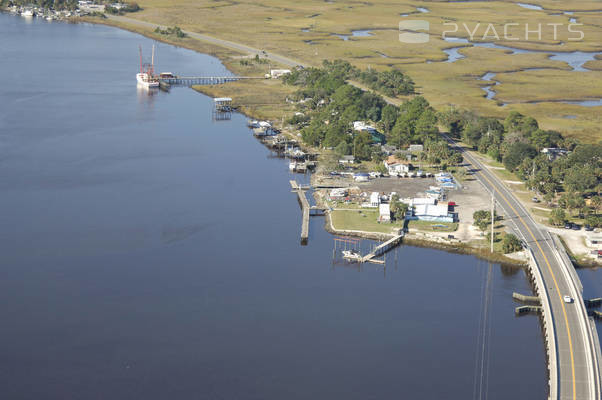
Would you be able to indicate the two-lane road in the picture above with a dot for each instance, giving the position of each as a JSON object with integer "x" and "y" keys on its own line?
{"x": 576, "y": 374}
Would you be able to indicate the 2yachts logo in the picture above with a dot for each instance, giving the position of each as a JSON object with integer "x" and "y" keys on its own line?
{"x": 417, "y": 31}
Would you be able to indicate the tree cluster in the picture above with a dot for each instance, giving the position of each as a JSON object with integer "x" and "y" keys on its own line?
{"x": 391, "y": 83}
{"x": 511, "y": 244}
{"x": 47, "y": 4}
{"x": 176, "y": 31}
{"x": 517, "y": 142}
{"x": 331, "y": 105}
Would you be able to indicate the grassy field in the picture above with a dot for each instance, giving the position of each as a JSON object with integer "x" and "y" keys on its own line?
{"x": 305, "y": 31}
{"x": 429, "y": 226}
{"x": 361, "y": 220}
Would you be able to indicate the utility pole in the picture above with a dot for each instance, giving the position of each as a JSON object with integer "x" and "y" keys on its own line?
{"x": 492, "y": 218}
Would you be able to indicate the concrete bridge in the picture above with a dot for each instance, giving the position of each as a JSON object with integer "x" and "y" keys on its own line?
{"x": 573, "y": 348}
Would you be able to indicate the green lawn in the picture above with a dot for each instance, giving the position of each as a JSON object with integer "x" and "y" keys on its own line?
{"x": 361, "y": 220}
{"x": 433, "y": 226}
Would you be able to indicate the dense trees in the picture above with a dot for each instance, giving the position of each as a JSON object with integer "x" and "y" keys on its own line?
{"x": 48, "y": 4}
{"x": 331, "y": 106}
{"x": 557, "y": 217}
{"x": 518, "y": 143}
{"x": 516, "y": 153}
{"x": 391, "y": 83}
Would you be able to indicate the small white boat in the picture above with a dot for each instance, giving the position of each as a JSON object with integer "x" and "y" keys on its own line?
{"x": 27, "y": 13}
{"x": 292, "y": 166}
{"x": 49, "y": 18}
{"x": 352, "y": 255}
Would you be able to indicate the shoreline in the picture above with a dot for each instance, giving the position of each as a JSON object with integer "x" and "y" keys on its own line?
{"x": 226, "y": 57}
{"x": 412, "y": 240}
{"x": 248, "y": 112}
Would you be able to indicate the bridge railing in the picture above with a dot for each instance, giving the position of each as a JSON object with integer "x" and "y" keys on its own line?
{"x": 592, "y": 348}
{"x": 548, "y": 326}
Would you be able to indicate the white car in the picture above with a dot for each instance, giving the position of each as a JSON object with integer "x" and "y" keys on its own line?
{"x": 567, "y": 299}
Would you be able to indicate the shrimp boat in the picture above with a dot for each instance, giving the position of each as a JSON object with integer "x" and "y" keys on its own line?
{"x": 146, "y": 77}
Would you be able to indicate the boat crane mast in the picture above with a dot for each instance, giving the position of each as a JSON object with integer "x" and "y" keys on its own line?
{"x": 146, "y": 67}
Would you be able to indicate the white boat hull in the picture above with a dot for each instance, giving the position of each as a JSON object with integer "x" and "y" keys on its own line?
{"x": 143, "y": 81}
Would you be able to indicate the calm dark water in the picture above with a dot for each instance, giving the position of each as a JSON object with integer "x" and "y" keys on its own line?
{"x": 149, "y": 252}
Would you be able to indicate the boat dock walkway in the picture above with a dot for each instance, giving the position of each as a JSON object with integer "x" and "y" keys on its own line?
{"x": 300, "y": 190}
{"x": 203, "y": 80}
{"x": 382, "y": 249}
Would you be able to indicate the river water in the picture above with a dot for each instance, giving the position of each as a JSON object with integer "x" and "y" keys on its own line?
{"x": 151, "y": 252}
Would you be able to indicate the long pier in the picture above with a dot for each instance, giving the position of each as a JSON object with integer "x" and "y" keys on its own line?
{"x": 300, "y": 190}
{"x": 203, "y": 80}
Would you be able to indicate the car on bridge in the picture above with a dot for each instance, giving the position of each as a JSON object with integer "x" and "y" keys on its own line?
{"x": 567, "y": 299}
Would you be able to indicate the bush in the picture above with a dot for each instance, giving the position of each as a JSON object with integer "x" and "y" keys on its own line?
{"x": 594, "y": 221}
{"x": 511, "y": 244}
{"x": 557, "y": 217}
{"x": 171, "y": 31}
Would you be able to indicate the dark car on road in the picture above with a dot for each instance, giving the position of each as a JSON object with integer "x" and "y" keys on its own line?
{"x": 568, "y": 225}
{"x": 576, "y": 227}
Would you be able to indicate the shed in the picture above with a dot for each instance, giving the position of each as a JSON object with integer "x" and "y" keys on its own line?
{"x": 374, "y": 199}
{"x": 384, "y": 212}
{"x": 223, "y": 103}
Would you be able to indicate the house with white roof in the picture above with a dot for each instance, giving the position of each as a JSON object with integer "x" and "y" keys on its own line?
{"x": 395, "y": 166}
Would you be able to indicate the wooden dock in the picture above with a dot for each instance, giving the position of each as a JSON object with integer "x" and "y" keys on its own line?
{"x": 300, "y": 190}
{"x": 382, "y": 249}
{"x": 202, "y": 80}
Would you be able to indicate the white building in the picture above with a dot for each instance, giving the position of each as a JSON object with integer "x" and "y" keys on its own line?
{"x": 374, "y": 199}
{"x": 433, "y": 212}
{"x": 396, "y": 166}
{"x": 420, "y": 201}
{"x": 277, "y": 73}
{"x": 554, "y": 152}
{"x": 337, "y": 194}
{"x": 384, "y": 213}
{"x": 347, "y": 160}
{"x": 362, "y": 126}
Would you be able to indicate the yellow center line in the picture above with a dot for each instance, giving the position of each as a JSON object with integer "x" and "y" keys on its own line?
{"x": 566, "y": 320}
